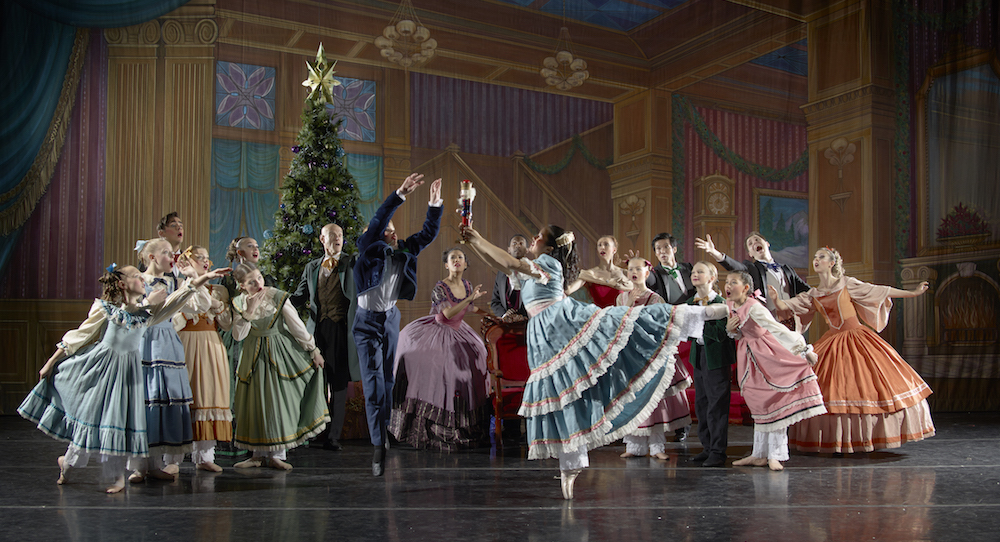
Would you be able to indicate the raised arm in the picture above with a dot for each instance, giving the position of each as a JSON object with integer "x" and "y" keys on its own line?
{"x": 494, "y": 256}
{"x": 708, "y": 246}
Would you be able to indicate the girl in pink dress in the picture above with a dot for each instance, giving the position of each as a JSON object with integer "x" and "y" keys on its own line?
{"x": 440, "y": 396}
{"x": 874, "y": 398}
{"x": 773, "y": 365}
{"x": 605, "y": 281}
{"x": 674, "y": 411}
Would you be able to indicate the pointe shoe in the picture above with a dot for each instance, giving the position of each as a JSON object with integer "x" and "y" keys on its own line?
{"x": 136, "y": 477}
{"x": 63, "y": 470}
{"x": 750, "y": 461}
{"x": 775, "y": 465}
{"x": 276, "y": 463}
{"x": 251, "y": 463}
{"x": 568, "y": 479}
{"x": 627, "y": 455}
{"x": 172, "y": 469}
{"x": 209, "y": 466}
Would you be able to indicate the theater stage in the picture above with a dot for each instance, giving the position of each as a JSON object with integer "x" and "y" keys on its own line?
{"x": 944, "y": 488}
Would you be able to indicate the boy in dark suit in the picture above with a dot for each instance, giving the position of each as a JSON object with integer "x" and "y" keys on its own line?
{"x": 386, "y": 271}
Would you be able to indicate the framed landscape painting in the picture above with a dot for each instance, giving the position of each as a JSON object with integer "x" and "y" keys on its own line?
{"x": 783, "y": 218}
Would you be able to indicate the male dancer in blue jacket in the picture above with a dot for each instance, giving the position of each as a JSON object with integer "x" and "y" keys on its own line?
{"x": 386, "y": 271}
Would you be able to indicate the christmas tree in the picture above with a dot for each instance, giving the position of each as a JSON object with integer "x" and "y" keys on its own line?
{"x": 317, "y": 190}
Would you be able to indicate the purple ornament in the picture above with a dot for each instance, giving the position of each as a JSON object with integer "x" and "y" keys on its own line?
{"x": 296, "y": 149}
{"x": 307, "y": 251}
{"x": 279, "y": 254}
{"x": 321, "y": 188}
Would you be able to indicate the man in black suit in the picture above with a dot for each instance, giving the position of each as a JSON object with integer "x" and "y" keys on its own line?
{"x": 672, "y": 281}
{"x": 506, "y": 301}
{"x": 327, "y": 289}
{"x": 765, "y": 272}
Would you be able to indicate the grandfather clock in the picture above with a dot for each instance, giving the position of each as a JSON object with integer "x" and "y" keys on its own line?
{"x": 713, "y": 213}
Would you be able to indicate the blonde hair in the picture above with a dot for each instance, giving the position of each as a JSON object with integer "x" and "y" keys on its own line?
{"x": 713, "y": 271}
{"x": 149, "y": 246}
{"x": 232, "y": 251}
{"x": 838, "y": 261}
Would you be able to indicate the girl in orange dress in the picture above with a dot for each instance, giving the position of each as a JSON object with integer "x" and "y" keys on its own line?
{"x": 874, "y": 399}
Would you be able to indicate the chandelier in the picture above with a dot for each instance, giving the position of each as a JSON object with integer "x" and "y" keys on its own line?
{"x": 562, "y": 70}
{"x": 405, "y": 41}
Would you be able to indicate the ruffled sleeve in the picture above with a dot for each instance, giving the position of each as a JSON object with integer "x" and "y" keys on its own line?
{"x": 241, "y": 325}
{"x": 223, "y": 318}
{"x": 792, "y": 341}
{"x": 538, "y": 270}
{"x": 296, "y": 327}
{"x": 88, "y": 332}
{"x": 872, "y": 302}
{"x": 172, "y": 304}
{"x": 440, "y": 300}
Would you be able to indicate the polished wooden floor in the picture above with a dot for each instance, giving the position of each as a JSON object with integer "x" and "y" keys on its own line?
{"x": 944, "y": 488}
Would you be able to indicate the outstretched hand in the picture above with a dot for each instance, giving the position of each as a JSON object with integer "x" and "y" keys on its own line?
{"x": 435, "y": 192}
{"x": 632, "y": 253}
{"x": 707, "y": 245}
{"x": 478, "y": 292}
{"x": 156, "y": 297}
{"x": 410, "y": 184}
{"x": 469, "y": 234}
{"x": 921, "y": 288}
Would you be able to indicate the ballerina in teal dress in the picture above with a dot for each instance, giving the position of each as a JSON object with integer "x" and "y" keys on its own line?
{"x": 596, "y": 373}
{"x": 91, "y": 393}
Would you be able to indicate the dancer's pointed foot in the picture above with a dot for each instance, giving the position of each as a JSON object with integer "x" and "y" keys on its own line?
{"x": 568, "y": 478}
{"x": 661, "y": 455}
{"x": 209, "y": 466}
{"x": 136, "y": 477}
{"x": 276, "y": 463}
{"x": 63, "y": 470}
{"x": 117, "y": 487}
{"x": 172, "y": 469}
{"x": 774, "y": 464}
{"x": 627, "y": 455}
{"x": 750, "y": 461}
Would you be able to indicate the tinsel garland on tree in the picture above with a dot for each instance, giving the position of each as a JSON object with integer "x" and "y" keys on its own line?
{"x": 317, "y": 190}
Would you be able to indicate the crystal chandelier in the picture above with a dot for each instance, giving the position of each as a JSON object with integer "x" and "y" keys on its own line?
{"x": 405, "y": 41}
{"x": 563, "y": 71}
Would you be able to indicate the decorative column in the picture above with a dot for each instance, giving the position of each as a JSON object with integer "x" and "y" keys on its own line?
{"x": 130, "y": 212}
{"x": 189, "y": 36}
{"x": 160, "y": 114}
{"x": 641, "y": 176}
{"x": 851, "y": 127}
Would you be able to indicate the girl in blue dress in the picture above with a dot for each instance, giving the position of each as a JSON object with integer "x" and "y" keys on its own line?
{"x": 91, "y": 392}
{"x": 596, "y": 373}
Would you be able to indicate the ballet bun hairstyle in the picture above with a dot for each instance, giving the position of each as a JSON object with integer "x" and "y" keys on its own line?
{"x": 111, "y": 285}
{"x": 563, "y": 245}
{"x": 233, "y": 250}
{"x": 838, "y": 262}
{"x": 617, "y": 260}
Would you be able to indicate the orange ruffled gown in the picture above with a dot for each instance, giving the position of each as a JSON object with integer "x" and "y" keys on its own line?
{"x": 874, "y": 399}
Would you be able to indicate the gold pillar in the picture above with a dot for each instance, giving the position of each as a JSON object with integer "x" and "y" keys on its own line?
{"x": 641, "y": 177}
{"x": 851, "y": 128}
{"x": 160, "y": 115}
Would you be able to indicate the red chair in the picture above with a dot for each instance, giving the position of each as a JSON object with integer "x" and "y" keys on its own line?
{"x": 507, "y": 362}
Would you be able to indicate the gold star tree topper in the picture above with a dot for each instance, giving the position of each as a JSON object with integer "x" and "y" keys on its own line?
{"x": 321, "y": 81}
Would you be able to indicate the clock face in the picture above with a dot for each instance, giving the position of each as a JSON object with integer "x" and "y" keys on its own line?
{"x": 718, "y": 203}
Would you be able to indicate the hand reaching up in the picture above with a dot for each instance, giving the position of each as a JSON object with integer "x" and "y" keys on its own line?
{"x": 708, "y": 246}
{"x": 410, "y": 184}
{"x": 435, "y": 192}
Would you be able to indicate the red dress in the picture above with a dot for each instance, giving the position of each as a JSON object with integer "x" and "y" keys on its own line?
{"x": 874, "y": 398}
{"x": 603, "y": 296}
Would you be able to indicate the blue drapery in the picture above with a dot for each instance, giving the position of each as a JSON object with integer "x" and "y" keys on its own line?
{"x": 244, "y": 193}
{"x": 36, "y": 42}
{"x": 245, "y": 190}
{"x": 367, "y": 173}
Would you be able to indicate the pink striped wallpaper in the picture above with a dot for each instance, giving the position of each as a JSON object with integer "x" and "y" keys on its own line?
{"x": 495, "y": 120}
{"x": 767, "y": 142}
{"x": 60, "y": 254}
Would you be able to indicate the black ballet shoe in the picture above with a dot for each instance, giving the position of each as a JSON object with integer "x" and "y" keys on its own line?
{"x": 378, "y": 461}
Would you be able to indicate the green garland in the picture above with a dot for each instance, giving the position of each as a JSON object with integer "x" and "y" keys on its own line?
{"x": 901, "y": 145}
{"x": 561, "y": 165}
{"x": 942, "y": 22}
{"x": 769, "y": 174}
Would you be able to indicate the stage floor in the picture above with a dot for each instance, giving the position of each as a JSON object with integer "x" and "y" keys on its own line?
{"x": 944, "y": 488}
